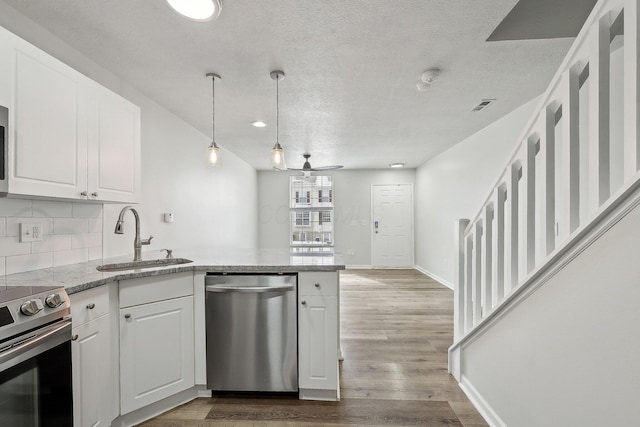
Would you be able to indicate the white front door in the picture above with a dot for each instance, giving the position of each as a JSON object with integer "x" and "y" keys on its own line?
{"x": 392, "y": 226}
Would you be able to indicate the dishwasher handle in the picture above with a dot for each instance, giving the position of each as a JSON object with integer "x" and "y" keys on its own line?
{"x": 252, "y": 289}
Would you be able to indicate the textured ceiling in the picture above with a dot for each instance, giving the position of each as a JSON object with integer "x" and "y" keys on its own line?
{"x": 351, "y": 67}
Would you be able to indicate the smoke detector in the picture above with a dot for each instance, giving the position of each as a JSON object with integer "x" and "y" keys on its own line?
{"x": 427, "y": 78}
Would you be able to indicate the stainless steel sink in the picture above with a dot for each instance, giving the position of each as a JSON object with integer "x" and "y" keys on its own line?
{"x": 151, "y": 263}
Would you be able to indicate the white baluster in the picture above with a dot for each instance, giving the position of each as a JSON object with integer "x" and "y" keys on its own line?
{"x": 477, "y": 272}
{"x": 631, "y": 88}
{"x": 487, "y": 263}
{"x": 459, "y": 287}
{"x": 468, "y": 283}
{"x": 571, "y": 147}
{"x": 530, "y": 201}
{"x": 549, "y": 147}
{"x": 599, "y": 183}
{"x": 511, "y": 231}
{"x": 498, "y": 232}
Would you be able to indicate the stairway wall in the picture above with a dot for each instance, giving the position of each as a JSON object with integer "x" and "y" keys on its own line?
{"x": 568, "y": 355}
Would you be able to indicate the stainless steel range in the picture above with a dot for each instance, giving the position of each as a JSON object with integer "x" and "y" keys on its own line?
{"x": 35, "y": 357}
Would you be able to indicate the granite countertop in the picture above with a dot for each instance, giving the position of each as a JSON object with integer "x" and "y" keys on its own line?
{"x": 83, "y": 276}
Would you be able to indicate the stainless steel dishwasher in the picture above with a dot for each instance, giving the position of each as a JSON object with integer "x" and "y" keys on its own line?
{"x": 252, "y": 338}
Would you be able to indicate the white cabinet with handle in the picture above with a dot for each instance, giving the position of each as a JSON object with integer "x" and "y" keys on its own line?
{"x": 318, "y": 336}
{"x": 92, "y": 365}
{"x": 64, "y": 130}
{"x": 156, "y": 339}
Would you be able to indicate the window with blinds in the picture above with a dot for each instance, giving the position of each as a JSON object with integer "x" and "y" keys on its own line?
{"x": 311, "y": 223}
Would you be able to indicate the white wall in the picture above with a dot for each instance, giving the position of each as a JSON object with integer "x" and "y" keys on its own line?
{"x": 352, "y": 205}
{"x": 454, "y": 185}
{"x": 568, "y": 355}
{"x": 212, "y": 207}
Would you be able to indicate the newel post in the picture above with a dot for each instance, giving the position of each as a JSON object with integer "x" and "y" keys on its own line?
{"x": 459, "y": 285}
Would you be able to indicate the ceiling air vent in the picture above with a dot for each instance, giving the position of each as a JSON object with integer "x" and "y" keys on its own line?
{"x": 483, "y": 104}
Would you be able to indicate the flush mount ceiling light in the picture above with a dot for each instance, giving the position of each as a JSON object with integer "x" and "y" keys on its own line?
{"x": 396, "y": 165}
{"x": 214, "y": 150}
{"x": 258, "y": 124}
{"x": 428, "y": 77}
{"x": 277, "y": 152}
{"x": 197, "y": 10}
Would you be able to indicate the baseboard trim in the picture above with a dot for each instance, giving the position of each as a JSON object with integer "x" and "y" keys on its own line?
{"x": 434, "y": 277}
{"x": 359, "y": 267}
{"x": 480, "y": 404}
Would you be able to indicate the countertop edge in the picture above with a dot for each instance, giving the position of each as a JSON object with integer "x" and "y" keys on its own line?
{"x": 202, "y": 269}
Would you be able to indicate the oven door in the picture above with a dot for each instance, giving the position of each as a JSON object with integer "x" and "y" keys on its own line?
{"x": 35, "y": 378}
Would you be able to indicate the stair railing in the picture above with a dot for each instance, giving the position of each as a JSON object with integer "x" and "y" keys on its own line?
{"x": 578, "y": 153}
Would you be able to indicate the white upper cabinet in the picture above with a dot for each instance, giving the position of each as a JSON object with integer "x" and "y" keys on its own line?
{"x": 68, "y": 137}
{"x": 114, "y": 147}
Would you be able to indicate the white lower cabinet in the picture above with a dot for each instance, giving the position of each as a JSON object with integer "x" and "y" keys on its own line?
{"x": 91, "y": 360}
{"x": 318, "y": 336}
{"x": 156, "y": 351}
{"x": 92, "y": 374}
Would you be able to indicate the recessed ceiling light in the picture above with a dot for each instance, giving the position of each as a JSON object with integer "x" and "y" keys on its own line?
{"x": 197, "y": 10}
{"x": 396, "y": 165}
{"x": 258, "y": 124}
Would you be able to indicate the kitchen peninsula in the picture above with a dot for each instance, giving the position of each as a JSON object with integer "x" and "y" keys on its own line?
{"x": 139, "y": 336}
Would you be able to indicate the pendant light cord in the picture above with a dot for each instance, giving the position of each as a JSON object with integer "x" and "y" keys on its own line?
{"x": 277, "y": 109}
{"x": 213, "y": 109}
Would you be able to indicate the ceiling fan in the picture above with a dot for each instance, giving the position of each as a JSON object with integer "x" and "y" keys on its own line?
{"x": 307, "y": 169}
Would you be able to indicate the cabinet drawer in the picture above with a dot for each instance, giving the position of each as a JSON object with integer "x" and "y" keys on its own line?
{"x": 89, "y": 305}
{"x": 155, "y": 288}
{"x": 316, "y": 283}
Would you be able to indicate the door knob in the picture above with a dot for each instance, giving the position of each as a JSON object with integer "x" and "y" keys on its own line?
{"x": 303, "y": 302}
{"x": 127, "y": 316}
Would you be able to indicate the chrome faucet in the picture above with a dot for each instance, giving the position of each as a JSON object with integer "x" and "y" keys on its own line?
{"x": 138, "y": 242}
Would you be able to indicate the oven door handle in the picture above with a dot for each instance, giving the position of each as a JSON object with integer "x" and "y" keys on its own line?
{"x": 39, "y": 341}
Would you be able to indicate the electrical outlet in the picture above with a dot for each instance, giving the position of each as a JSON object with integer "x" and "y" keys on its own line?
{"x": 30, "y": 232}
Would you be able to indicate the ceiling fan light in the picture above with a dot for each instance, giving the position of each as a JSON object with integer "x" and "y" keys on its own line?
{"x": 278, "y": 161}
{"x": 197, "y": 10}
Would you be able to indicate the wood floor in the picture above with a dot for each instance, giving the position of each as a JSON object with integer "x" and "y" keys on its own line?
{"x": 396, "y": 328}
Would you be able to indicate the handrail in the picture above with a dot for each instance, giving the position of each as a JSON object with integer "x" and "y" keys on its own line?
{"x": 545, "y": 100}
{"x": 515, "y": 235}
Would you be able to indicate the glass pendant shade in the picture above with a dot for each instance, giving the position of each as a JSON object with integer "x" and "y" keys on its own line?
{"x": 277, "y": 157}
{"x": 214, "y": 151}
{"x": 277, "y": 152}
{"x": 214, "y": 155}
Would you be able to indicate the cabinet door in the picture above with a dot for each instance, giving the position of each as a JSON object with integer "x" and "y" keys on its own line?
{"x": 48, "y": 134}
{"x": 156, "y": 351}
{"x": 92, "y": 374}
{"x": 114, "y": 148}
{"x": 317, "y": 342}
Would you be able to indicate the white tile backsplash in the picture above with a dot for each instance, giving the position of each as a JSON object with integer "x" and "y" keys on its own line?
{"x": 43, "y": 209}
{"x": 70, "y": 225}
{"x": 87, "y": 210}
{"x": 72, "y": 233}
{"x": 70, "y": 257}
{"x": 20, "y": 263}
{"x": 86, "y": 240}
{"x": 13, "y": 225}
{"x": 15, "y": 207}
{"x": 95, "y": 253}
{"x": 12, "y": 246}
{"x": 53, "y": 244}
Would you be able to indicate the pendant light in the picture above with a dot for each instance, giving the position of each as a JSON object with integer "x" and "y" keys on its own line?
{"x": 214, "y": 150}
{"x": 277, "y": 152}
